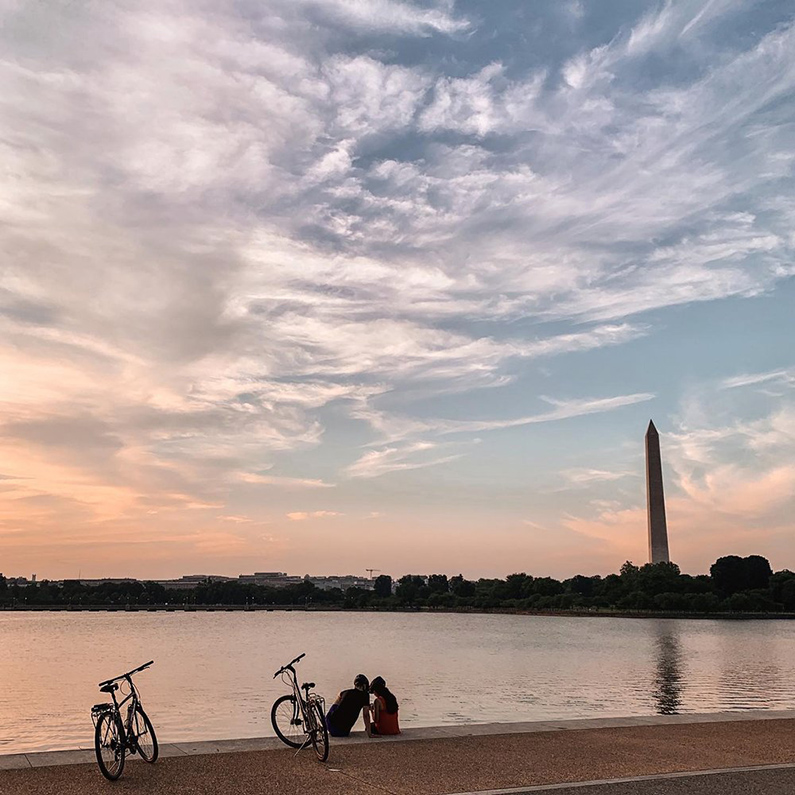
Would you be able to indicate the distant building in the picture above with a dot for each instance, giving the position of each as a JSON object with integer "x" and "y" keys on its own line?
{"x": 343, "y": 582}
{"x": 188, "y": 581}
{"x": 105, "y": 581}
{"x": 22, "y": 582}
{"x": 271, "y": 579}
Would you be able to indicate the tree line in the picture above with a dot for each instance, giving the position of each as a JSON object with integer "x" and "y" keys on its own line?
{"x": 734, "y": 584}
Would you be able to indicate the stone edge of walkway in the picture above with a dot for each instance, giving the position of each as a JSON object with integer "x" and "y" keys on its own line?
{"x": 569, "y": 785}
{"x": 202, "y": 747}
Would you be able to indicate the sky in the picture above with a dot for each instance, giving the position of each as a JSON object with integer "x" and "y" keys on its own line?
{"x": 324, "y": 285}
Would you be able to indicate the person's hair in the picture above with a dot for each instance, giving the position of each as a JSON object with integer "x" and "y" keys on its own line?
{"x": 378, "y": 686}
{"x": 361, "y": 682}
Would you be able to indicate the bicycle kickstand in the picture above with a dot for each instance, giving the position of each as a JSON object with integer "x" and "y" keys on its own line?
{"x": 306, "y": 742}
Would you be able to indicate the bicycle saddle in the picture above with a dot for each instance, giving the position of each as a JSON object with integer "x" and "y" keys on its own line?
{"x": 308, "y": 686}
{"x": 109, "y": 688}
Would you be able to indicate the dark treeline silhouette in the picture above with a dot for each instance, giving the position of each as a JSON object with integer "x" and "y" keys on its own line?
{"x": 734, "y": 584}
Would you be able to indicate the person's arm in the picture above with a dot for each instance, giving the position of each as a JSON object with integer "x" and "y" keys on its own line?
{"x": 339, "y": 699}
{"x": 376, "y": 710}
{"x": 366, "y": 719}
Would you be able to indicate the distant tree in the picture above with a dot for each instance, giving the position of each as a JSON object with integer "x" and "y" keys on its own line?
{"x": 518, "y": 586}
{"x": 441, "y": 600}
{"x": 728, "y": 575}
{"x": 437, "y": 583}
{"x": 383, "y": 586}
{"x": 671, "y": 601}
{"x": 702, "y": 602}
{"x": 546, "y": 586}
{"x": 356, "y": 597}
{"x": 659, "y": 578}
{"x": 461, "y": 587}
{"x": 409, "y": 587}
{"x": 788, "y": 595}
{"x": 757, "y": 572}
{"x": 739, "y": 603}
{"x": 580, "y": 585}
{"x": 153, "y": 593}
{"x": 777, "y": 582}
{"x": 629, "y": 574}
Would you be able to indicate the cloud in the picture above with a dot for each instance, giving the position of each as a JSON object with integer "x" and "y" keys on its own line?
{"x": 563, "y": 410}
{"x": 585, "y": 477}
{"x": 375, "y": 463}
{"x": 781, "y": 377}
{"x": 283, "y": 482}
{"x": 412, "y": 454}
{"x": 300, "y": 516}
{"x": 391, "y": 16}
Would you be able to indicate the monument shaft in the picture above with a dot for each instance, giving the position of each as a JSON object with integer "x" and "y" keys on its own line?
{"x": 655, "y": 499}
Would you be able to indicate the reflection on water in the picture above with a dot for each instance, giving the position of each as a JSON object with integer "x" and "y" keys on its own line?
{"x": 443, "y": 668}
{"x": 667, "y": 691}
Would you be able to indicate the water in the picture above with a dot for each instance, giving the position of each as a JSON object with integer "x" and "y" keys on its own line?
{"x": 212, "y": 677}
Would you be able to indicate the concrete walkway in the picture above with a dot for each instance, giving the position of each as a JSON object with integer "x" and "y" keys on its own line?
{"x": 451, "y": 759}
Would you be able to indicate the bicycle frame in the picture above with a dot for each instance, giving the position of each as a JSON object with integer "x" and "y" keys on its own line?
{"x": 302, "y": 712}
{"x": 127, "y": 733}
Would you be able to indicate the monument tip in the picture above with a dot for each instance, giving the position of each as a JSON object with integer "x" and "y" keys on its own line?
{"x": 651, "y": 428}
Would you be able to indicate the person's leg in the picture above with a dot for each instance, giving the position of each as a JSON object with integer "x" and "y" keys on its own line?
{"x": 332, "y": 729}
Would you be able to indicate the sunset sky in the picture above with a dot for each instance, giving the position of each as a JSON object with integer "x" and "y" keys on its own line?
{"x": 321, "y": 285}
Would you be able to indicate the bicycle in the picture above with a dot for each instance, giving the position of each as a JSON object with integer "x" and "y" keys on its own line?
{"x": 299, "y": 719}
{"x": 114, "y": 738}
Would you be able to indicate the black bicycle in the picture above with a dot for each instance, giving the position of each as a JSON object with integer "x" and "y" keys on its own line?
{"x": 114, "y": 737}
{"x": 299, "y": 718}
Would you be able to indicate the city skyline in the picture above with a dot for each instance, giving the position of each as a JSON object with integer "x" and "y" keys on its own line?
{"x": 320, "y": 286}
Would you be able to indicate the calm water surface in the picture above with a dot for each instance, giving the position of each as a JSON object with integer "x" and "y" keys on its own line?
{"x": 212, "y": 676}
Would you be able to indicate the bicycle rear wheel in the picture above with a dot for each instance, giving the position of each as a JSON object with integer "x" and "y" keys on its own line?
{"x": 287, "y": 722}
{"x": 109, "y": 746}
{"x": 145, "y": 737}
{"x": 319, "y": 732}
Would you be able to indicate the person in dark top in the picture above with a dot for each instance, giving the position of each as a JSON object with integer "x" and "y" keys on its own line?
{"x": 345, "y": 710}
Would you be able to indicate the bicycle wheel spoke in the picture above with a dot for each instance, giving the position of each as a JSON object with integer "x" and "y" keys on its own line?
{"x": 109, "y": 746}
{"x": 288, "y": 725}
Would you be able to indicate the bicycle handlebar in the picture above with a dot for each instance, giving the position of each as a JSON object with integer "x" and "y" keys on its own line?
{"x": 290, "y": 664}
{"x": 128, "y": 674}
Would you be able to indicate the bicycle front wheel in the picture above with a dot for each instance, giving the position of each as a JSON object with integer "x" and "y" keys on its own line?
{"x": 287, "y": 722}
{"x": 109, "y": 745}
{"x": 319, "y": 732}
{"x": 145, "y": 737}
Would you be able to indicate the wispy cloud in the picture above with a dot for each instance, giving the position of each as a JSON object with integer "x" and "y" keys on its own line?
{"x": 404, "y": 456}
{"x": 375, "y": 463}
{"x": 283, "y": 482}
{"x": 781, "y": 377}
{"x": 301, "y": 516}
{"x": 585, "y": 477}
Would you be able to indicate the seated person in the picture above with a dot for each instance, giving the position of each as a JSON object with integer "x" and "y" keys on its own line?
{"x": 345, "y": 710}
{"x": 385, "y": 708}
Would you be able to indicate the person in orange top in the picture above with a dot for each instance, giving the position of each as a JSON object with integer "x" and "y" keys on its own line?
{"x": 385, "y": 708}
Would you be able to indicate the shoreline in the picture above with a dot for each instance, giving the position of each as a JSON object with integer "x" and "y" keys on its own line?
{"x": 511, "y": 611}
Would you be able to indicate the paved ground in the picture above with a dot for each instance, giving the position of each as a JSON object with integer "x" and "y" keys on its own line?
{"x": 747, "y": 782}
{"x": 462, "y": 764}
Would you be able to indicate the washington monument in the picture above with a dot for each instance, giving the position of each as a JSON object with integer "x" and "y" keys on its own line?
{"x": 655, "y": 499}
